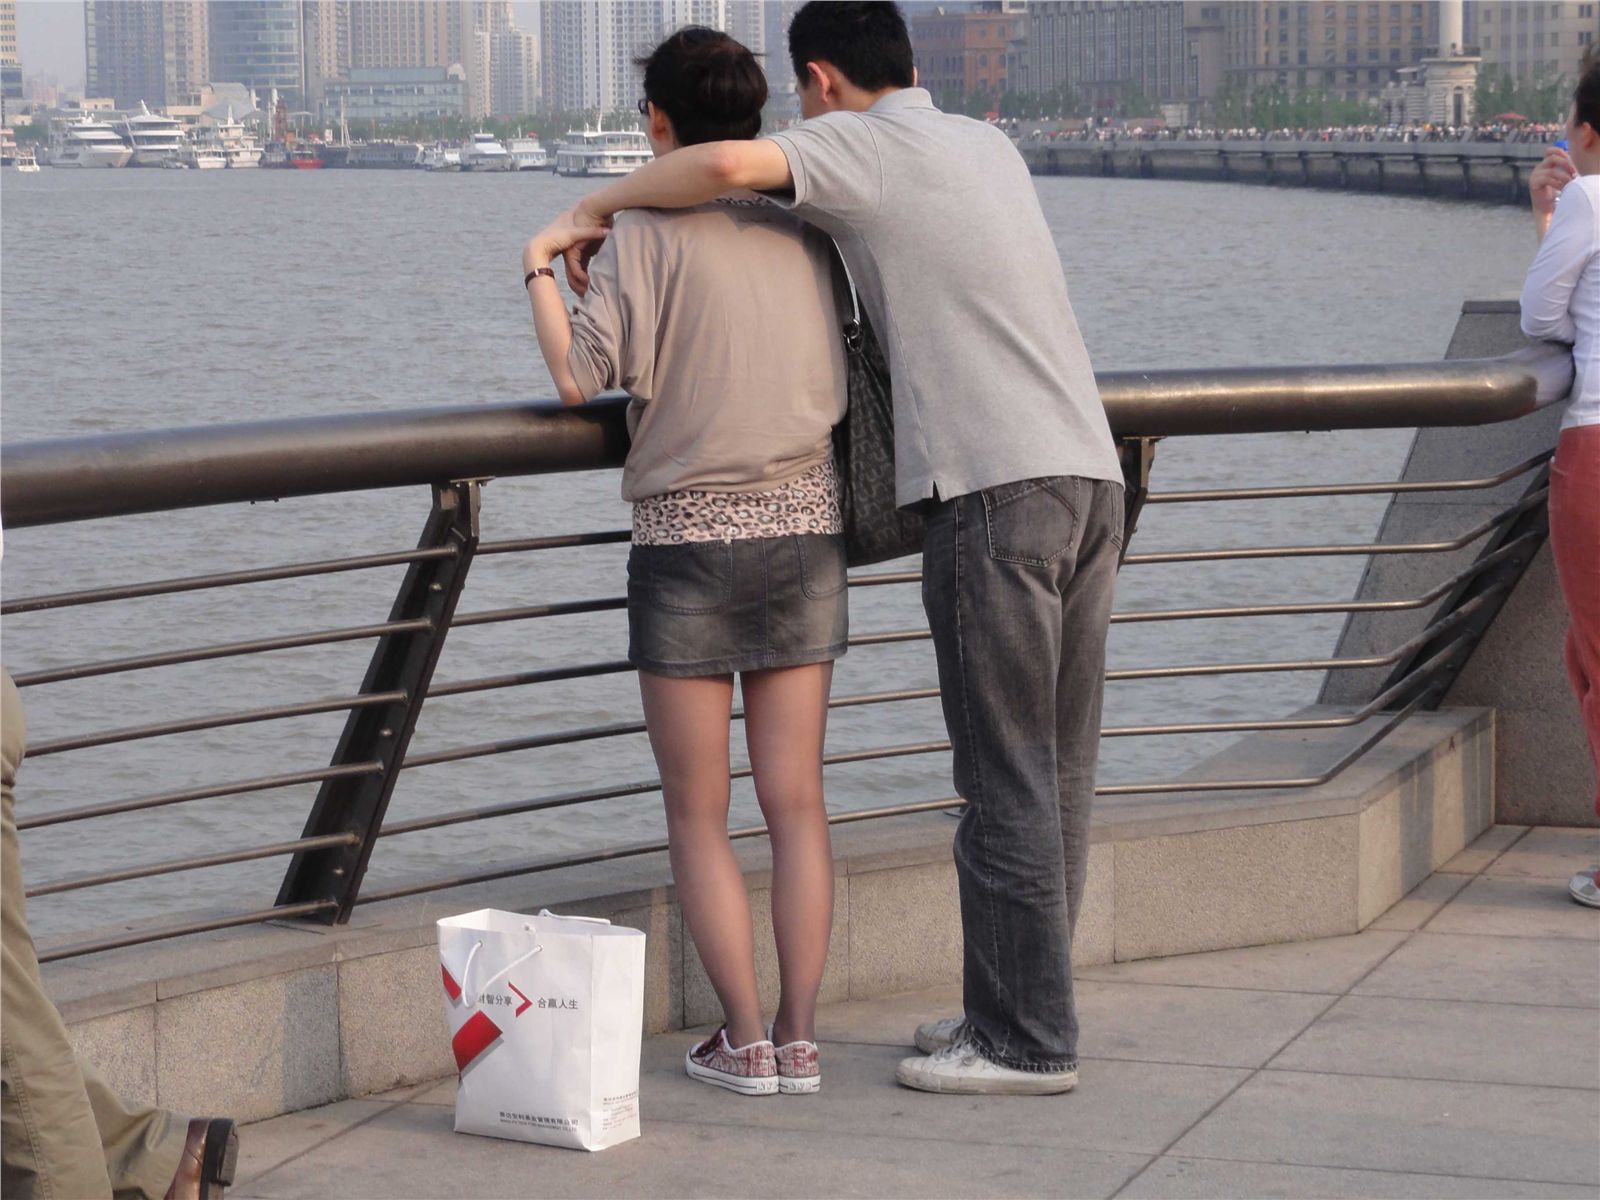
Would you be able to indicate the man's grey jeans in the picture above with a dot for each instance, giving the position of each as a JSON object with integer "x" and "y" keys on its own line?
{"x": 1017, "y": 583}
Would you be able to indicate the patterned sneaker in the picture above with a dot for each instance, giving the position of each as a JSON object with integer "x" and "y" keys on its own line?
{"x": 749, "y": 1070}
{"x": 1585, "y": 887}
{"x": 959, "y": 1068}
{"x": 798, "y": 1072}
{"x": 934, "y": 1036}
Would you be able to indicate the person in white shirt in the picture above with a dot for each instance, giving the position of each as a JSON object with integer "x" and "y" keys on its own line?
{"x": 1561, "y": 303}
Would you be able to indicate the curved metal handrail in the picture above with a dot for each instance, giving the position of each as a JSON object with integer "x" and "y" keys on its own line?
{"x": 74, "y": 479}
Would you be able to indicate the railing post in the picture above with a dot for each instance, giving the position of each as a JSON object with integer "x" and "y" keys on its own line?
{"x": 1136, "y": 454}
{"x": 1532, "y": 526}
{"x": 401, "y": 662}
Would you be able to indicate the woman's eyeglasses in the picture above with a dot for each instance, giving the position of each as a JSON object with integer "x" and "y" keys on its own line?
{"x": 644, "y": 108}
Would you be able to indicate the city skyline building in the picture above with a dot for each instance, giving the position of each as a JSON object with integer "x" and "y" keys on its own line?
{"x": 1348, "y": 49}
{"x": 1533, "y": 41}
{"x": 1108, "y": 54}
{"x": 10, "y": 63}
{"x": 154, "y": 51}
{"x": 965, "y": 52}
{"x": 258, "y": 43}
{"x": 516, "y": 77}
{"x": 381, "y": 94}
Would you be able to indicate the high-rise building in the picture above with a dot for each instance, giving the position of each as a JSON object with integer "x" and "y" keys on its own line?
{"x": 431, "y": 33}
{"x": 10, "y": 64}
{"x": 589, "y": 47}
{"x": 776, "y": 15}
{"x": 325, "y": 30}
{"x": 258, "y": 43}
{"x": 1347, "y": 49}
{"x": 514, "y": 70}
{"x": 1533, "y": 41}
{"x": 156, "y": 51}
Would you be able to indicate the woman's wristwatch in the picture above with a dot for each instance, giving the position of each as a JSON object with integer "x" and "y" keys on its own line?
{"x": 535, "y": 273}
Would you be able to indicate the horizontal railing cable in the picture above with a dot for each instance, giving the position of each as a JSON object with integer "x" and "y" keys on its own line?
{"x": 193, "y": 862}
{"x": 173, "y": 658}
{"x": 238, "y": 787}
{"x": 196, "y": 583}
{"x": 281, "y": 912}
{"x": 1531, "y": 501}
{"x": 279, "y": 712}
{"x": 1348, "y": 489}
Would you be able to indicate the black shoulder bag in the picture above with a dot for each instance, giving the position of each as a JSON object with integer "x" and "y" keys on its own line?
{"x": 875, "y": 528}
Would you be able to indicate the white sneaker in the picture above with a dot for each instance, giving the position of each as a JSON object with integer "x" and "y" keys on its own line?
{"x": 959, "y": 1068}
{"x": 934, "y": 1036}
{"x": 1585, "y": 887}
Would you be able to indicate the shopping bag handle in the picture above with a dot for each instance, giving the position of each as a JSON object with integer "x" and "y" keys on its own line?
{"x": 545, "y": 912}
{"x": 469, "y": 996}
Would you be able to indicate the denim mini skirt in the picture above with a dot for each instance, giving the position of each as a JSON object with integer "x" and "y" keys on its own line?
{"x": 749, "y": 604}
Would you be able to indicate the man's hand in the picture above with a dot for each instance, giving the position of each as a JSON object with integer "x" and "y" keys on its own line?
{"x": 1552, "y": 174}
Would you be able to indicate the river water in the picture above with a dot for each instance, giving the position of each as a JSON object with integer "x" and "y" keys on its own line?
{"x": 136, "y": 299}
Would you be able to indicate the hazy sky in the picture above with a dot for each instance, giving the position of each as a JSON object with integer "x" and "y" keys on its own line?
{"x": 50, "y": 36}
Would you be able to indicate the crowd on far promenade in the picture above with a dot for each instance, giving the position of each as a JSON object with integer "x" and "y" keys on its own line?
{"x": 1488, "y": 132}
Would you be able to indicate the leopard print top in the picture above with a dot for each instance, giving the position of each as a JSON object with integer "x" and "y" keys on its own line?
{"x": 807, "y": 504}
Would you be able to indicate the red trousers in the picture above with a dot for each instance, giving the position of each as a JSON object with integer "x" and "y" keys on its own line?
{"x": 1575, "y": 541}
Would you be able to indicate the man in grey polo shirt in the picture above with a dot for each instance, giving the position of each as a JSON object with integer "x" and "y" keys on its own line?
{"x": 1000, "y": 433}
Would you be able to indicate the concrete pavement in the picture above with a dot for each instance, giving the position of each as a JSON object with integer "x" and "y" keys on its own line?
{"x": 1452, "y": 1049}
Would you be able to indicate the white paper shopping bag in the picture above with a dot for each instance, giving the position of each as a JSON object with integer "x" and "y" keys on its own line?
{"x": 546, "y": 1019}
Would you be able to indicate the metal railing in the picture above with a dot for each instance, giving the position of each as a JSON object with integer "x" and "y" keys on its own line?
{"x": 454, "y": 450}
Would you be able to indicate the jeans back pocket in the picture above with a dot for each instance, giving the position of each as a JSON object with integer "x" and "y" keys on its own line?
{"x": 1033, "y": 521}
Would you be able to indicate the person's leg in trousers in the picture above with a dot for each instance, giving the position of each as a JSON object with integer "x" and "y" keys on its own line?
{"x": 1001, "y": 591}
{"x": 65, "y": 1135}
{"x": 1080, "y": 685}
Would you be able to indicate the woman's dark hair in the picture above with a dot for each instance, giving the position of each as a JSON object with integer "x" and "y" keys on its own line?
{"x": 1586, "y": 96}
{"x": 711, "y": 88}
{"x": 868, "y": 43}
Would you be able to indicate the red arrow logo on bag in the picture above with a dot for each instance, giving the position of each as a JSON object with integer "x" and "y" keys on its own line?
{"x": 526, "y": 1003}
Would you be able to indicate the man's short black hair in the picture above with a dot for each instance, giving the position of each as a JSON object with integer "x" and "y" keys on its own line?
{"x": 867, "y": 42}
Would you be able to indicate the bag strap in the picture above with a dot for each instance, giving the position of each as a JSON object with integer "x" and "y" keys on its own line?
{"x": 469, "y": 996}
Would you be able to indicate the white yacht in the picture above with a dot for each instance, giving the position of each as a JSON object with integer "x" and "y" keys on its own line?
{"x": 439, "y": 157}
{"x": 527, "y": 154}
{"x": 239, "y": 150}
{"x": 602, "y": 152}
{"x": 203, "y": 154}
{"x": 154, "y": 139}
{"x": 26, "y": 163}
{"x": 483, "y": 152}
{"x": 85, "y": 142}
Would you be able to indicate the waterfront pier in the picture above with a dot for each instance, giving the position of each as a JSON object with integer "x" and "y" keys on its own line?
{"x": 1490, "y": 172}
{"x": 1335, "y": 958}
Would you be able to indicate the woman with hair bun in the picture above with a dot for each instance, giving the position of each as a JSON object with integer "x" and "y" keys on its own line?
{"x": 722, "y": 324}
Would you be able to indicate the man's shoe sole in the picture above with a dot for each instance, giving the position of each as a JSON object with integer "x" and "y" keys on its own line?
{"x": 1027, "y": 1083}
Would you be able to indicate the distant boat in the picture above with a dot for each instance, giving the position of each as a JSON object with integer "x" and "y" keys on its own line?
{"x": 26, "y": 162}
{"x": 203, "y": 156}
{"x": 85, "y": 142}
{"x": 483, "y": 152}
{"x": 238, "y": 148}
{"x": 154, "y": 139}
{"x": 439, "y": 157}
{"x": 602, "y": 152}
{"x": 527, "y": 154}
